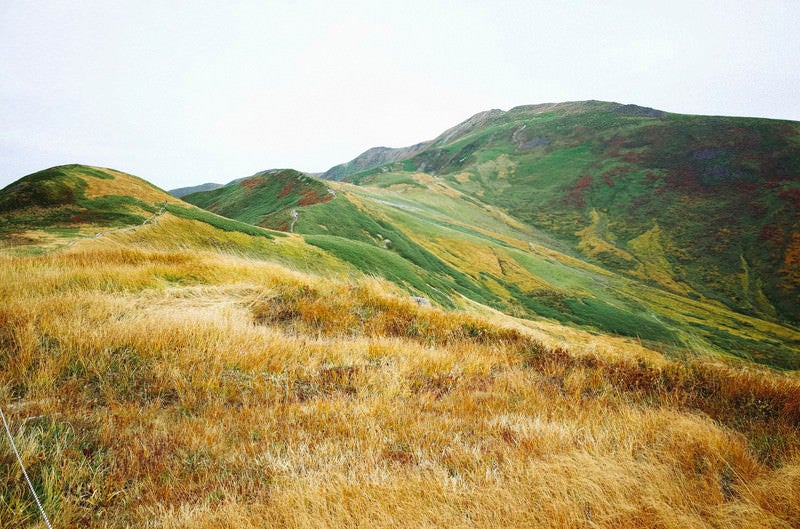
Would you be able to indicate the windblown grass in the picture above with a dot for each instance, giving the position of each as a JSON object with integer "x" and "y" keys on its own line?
{"x": 170, "y": 389}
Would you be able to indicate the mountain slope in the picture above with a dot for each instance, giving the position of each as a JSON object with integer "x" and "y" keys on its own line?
{"x": 59, "y": 206}
{"x": 265, "y": 199}
{"x": 378, "y": 156}
{"x": 72, "y": 195}
{"x": 423, "y": 234}
{"x": 690, "y": 203}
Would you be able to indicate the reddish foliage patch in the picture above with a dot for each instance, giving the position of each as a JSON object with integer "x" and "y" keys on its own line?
{"x": 286, "y": 189}
{"x": 685, "y": 180}
{"x": 652, "y": 178}
{"x": 251, "y": 183}
{"x": 274, "y": 224}
{"x": 632, "y": 157}
{"x": 576, "y": 194}
{"x": 620, "y": 170}
{"x": 791, "y": 264}
{"x": 793, "y": 197}
{"x": 772, "y": 233}
{"x": 747, "y": 188}
{"x": 614, "y": 146}
{"x": 83, "y": 217}
{"x": 311, "y": 196}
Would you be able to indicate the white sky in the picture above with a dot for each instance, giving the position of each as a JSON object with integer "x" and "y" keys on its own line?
{"x": 182, "y": 93}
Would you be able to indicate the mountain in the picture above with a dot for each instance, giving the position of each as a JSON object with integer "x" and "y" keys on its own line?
{"x": 181, "y": 191}
{"x": 372, "y": 158}
{"x": 593, "y": 215}
{"x": 448, "y": 238}
{"x": 77, "y": 198}
{"x": 377, "y": 156}
{"x": 693, "y": 204}
{"x": 79, "y": 187}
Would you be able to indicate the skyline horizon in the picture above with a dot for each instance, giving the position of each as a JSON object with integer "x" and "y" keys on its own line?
{"x": 182, "y": 93}
{"x": 366, "y": 149}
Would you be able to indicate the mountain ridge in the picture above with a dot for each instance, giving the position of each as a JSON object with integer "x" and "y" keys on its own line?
{"x": 560, "y": 211}
{"x": 566, "y": 167}
{"x": 376, "y": 156}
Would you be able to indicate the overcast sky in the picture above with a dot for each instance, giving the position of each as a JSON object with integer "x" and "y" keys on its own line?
{"x": 182, "y": 93}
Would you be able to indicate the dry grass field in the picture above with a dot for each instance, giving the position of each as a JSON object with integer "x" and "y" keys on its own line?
{"x": 192, "y": 389}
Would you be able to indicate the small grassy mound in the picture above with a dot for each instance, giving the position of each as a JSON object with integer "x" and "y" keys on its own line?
{"x": 265, "y": 199}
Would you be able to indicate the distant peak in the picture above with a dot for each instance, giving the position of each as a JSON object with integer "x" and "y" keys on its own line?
{"x": 575, "y": 107}
{"x": 471, "y": 123}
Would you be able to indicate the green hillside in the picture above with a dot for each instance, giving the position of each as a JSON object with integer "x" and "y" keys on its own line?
{"x": 56, "y": 207}
{"x": 688, "y": 203}
{"x": 183, "y": 191}
{"x": 73, "y": 195}
{"x": 425, "y": 235}
{"x": 265, "y": 199}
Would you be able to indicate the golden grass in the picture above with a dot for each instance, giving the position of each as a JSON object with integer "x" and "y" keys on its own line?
{"x": 125, "y": 185}
{"x": 172, "y": 389}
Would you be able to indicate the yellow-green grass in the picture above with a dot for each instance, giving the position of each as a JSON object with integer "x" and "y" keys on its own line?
{"x": 525, "y": 273}
{"x": 153, "y": 386}
{"x": 415, "y": 230}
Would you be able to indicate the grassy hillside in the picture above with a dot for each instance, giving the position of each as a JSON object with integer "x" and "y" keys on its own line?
{"x": 265, "y": 199}
{"x": 72, "y": 197}
{"x": 422, "y": 233}
{"x": 707, "y": 205}
{"x": 372, "y": 158}
{"x": 55, "y": 207}
{"x": 150, "y": 384}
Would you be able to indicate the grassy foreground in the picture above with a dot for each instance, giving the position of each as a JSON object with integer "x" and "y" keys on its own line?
{"x": 171, "y": 389}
